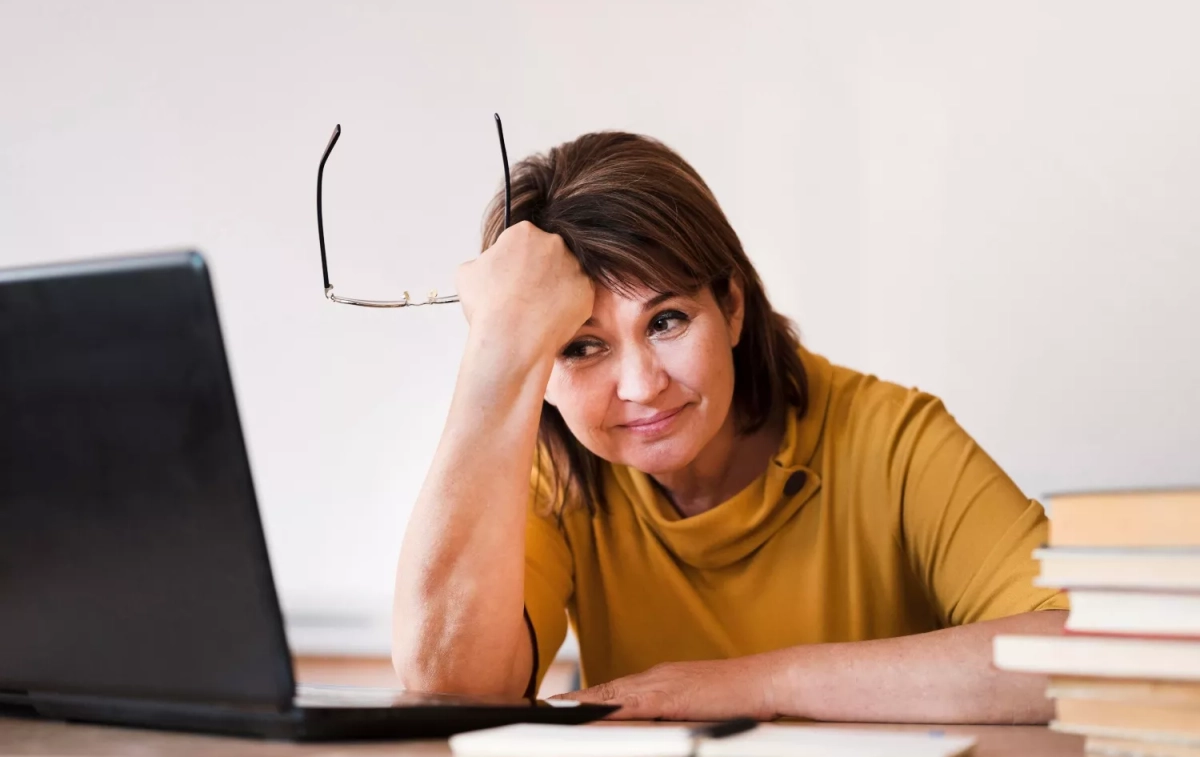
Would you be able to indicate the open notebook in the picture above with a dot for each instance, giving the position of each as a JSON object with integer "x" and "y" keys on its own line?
{"x": 642, "y": 741}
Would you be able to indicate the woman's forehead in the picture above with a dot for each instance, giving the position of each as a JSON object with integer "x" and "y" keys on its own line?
{"x": 633, "y": 291}
{"x": 636, "y": 290}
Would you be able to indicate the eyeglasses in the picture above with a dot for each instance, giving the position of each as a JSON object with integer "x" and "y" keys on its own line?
{"x": 433, "y": 298}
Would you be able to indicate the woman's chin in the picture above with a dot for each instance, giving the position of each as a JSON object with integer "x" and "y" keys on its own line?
{"x": 660, "y": 459}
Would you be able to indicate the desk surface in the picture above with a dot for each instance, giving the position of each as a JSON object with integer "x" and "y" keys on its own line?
{"x": 33, "y": 737}
{"x": 36, "y": 737}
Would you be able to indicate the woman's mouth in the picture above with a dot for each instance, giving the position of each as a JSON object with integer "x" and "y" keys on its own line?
{"x": 655, "y": 424}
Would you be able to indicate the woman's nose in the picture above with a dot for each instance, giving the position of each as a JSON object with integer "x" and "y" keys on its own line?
{"x": 641, "y": 377}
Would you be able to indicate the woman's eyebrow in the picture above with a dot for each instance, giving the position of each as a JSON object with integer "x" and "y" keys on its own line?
{"x": 650, "y": 304}
{"x": 654, "y": 302}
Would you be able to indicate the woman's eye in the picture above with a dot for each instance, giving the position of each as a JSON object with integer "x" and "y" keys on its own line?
{"x": 664, "y": 322}
{"x": 581, "y": 349}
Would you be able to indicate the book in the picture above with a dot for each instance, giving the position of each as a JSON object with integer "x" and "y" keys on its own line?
{"x": 770, "y": 740}
{"x": 1125, "y": 734}
{"x": 1140, "y": 613}
{"x": 1118, "y": 747}
{"x": 1099, "y": 656}
{"x": 1117, "y": 568}
{"x": 1125, "y": 690}
{"x": 1161, "y": 721}
{"x": 1164, "y": 518}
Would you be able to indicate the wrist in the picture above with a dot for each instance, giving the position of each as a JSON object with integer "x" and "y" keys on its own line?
{"x": 504, "y": 367}
{"x": 779, "y": 677}
{"x": 501, "y": 350}
{"x": 511, "y": 342}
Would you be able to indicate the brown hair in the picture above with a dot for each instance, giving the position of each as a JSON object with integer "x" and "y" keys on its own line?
{"x": 635, "y": 213}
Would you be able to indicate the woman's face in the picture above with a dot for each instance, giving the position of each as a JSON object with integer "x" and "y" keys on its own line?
{"x": 648, "y": 380}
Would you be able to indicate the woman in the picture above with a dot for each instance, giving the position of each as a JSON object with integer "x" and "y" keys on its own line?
{"x": 734, "y": 525}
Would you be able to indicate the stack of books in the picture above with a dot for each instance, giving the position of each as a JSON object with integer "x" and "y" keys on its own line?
{"x": 1126, "y": 673}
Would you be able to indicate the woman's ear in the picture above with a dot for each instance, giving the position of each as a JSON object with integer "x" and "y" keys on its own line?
{"x": 735, "y": 311}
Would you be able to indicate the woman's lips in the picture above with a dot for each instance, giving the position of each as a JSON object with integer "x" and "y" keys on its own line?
{"x": 654, "y": 424}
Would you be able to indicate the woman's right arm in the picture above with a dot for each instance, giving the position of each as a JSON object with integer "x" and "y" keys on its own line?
{"x": 458, "y": 623}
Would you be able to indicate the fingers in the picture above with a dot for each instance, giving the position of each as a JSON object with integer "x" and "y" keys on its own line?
{"x": 599, "y": 694}
{"x": 634, "y": 705}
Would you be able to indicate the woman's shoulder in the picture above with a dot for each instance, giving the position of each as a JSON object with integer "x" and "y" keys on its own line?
{"x": 871, "y": 410}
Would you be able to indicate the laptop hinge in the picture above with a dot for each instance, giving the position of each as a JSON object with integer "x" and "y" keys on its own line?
{"x": 50, "y": 703}
{"x": 16, "y": 702}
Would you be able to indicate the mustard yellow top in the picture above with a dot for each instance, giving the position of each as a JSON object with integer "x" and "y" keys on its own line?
{"x": 878, "y": 517}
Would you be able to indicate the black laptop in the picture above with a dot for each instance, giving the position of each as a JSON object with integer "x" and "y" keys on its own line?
{"x": 135, "y": 587}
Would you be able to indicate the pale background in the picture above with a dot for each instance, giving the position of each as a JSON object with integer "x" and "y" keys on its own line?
{"x": 997, "y": 202}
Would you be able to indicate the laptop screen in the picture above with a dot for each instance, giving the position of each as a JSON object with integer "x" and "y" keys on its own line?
{"x": 132, "y": 559}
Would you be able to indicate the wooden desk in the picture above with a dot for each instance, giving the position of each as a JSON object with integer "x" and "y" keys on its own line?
{"x": 33, "y": 737}
{"x": 42, "y": 738}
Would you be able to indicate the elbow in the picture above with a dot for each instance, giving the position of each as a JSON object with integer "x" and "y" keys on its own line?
{"x": 437, "y": 680}
{"x": 415, "y": 675}
{"x": 422, "y": 668}
{"x": 442, "y": 672}
{"x": 440, "y": 650}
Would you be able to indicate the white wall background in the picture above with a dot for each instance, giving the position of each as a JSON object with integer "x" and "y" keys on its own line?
{"x": 997, "y": 202}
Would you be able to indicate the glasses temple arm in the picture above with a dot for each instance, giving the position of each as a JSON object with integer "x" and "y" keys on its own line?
{"x": 433, "y": 299}
{"x": 337, "y": 132}
{"x": 507, "y": 181}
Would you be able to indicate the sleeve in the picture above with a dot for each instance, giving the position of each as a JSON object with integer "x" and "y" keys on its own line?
{"x": 549, "y": 578}
{"x": 967, "y": 529}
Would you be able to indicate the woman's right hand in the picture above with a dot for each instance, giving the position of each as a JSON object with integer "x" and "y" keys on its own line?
{"x": 528, "y": 288}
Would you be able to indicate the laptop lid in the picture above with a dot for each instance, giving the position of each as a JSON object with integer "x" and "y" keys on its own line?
{"x": 132, "y": 558}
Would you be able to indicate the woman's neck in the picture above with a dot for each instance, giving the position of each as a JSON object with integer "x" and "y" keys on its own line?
{"x": 726, "y": 465}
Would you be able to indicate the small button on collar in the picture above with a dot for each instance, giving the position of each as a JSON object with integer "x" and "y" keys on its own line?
{"x": 794, "y": 483}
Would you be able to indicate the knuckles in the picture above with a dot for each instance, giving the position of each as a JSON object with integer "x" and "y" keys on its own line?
{"x": 521, "y": 232}
{"x": 525, "y": 234}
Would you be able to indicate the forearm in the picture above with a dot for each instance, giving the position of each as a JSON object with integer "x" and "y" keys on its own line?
{"x": 458, "y": 623}
{"x": 943, "y": 676}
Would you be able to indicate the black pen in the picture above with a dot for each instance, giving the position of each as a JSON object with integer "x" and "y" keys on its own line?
{"x": 719, "y": 731}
